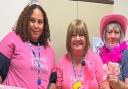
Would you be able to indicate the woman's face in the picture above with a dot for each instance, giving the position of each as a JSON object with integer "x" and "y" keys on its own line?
{"x": 36, "y": 24}
{"x": 112, "y": 36}
{"x": 78, "y": 43}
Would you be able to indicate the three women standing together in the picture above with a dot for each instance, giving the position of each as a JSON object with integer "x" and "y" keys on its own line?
{"x": 30, "y": 58}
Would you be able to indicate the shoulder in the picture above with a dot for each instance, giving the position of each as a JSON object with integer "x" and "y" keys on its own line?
{"x": 48, "y": 48}
{"x": 11, "y": 33}
{"x": 64, "y": 59}
{"x": 93, "y": 56}
{"x": 124, "y": 46}
{"x": 11, "y": 37}
{"x": 125, "y": 55}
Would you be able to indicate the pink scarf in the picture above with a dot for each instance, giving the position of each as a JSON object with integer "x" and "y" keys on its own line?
{"x": 113, "y": 55}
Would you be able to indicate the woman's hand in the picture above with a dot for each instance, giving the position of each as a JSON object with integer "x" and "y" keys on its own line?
{"x": 52, "y": 86}
{"x": 114, "y": 81}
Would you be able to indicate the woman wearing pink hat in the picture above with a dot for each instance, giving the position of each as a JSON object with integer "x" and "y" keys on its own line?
{"x": 114, "y": 51}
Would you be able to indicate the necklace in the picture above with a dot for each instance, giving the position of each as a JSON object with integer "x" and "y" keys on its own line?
{"x": 77, "y": 83}
{"x": 74, "y": 71}
{"x": 38, "y": 62}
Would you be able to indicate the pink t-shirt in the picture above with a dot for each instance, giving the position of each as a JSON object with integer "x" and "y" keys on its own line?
{"x": 92, "y": 72}
{"x": 23, "y": 70}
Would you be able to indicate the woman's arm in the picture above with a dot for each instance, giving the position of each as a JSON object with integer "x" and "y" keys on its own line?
{"x": 115, "y": 83}
{"x": 52, "y": 82}
{"x": 52, "y": 86}
{"x": 122, "y": 82}
{"x": 124, "y": 85}
{"x": 104, "y": 85}
{"x": 100, "y": 74}
{"x": 4, "y": 67}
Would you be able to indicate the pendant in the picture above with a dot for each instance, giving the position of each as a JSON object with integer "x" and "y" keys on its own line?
{"x": 38, "y": 81}
{"x": 77, "y": 85}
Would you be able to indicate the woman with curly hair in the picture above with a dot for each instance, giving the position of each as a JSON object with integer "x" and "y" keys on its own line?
{"x": 28, "y": 51}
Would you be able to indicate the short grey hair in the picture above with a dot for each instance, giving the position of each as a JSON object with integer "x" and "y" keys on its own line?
{"x": 114, "y": 25}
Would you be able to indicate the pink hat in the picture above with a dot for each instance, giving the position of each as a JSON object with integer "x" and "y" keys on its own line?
{"x": 113, "y": 18}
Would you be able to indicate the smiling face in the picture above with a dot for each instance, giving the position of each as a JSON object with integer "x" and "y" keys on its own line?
{"x": 36, "y": 25}
{"x": 78, "y": 43}
{"x": 77, "y": 40}
{"x": 113, "y": 34}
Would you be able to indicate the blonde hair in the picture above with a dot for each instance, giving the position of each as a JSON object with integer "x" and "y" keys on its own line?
{"x": 77, "y": 26}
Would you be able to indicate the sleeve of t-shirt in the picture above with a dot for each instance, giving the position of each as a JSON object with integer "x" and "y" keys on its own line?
{"x": 4, "y": 66}
{"x": 59, "y": 74}
{"x": 6, "y": 52}
{"x": 100, "y": 75}
{"x": 6, "y": 45}
{"x": 124, "y": 65}
{"x": 53, "y": 77}
{"x": 51, "y": 53}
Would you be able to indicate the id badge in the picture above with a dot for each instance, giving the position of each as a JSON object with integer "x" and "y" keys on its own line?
{"x": 77, "y": 85}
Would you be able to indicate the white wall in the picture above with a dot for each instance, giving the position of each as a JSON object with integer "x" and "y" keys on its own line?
{"x": 60, "y": 14}
{"x": 121, "y": 7}
{"x": 10, "y": 10}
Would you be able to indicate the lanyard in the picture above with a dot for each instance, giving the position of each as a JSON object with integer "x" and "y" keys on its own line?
{"x": 74, "y": 71}
{"x": 38, "y": 62}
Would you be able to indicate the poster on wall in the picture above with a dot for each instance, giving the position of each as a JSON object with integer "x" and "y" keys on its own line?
{"x": 96, "y": 44}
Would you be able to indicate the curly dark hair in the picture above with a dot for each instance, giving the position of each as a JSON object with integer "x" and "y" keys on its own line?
{"x": 23, "y": 22}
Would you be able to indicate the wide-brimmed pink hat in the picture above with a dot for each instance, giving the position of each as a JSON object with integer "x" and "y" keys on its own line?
{"x": 113, "y": 18}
